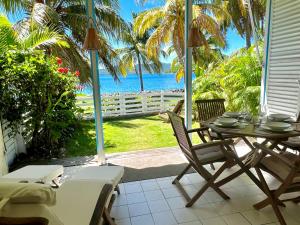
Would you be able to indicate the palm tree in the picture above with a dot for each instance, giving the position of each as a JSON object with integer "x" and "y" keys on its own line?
{"x": 69, "y": 18}
{"x": 134, "y": 55}
{"x": 169, "y": 26}
{"x": 36, "y": 37}
{"x": 238, "y": 10}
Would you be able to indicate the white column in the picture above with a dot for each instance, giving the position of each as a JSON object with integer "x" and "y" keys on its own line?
{"x": 96, "y": 91}
{"x": 265, "y": 66}
{"x": 188, "y": 66}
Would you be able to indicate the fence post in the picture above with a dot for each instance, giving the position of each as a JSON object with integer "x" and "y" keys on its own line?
{"x": 122, "y": 104}
{"x": 144, "y": 102}
{"x": 162, "y": 101}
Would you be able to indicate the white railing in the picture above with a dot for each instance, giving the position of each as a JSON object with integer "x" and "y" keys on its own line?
{"x": 124, "y": 104}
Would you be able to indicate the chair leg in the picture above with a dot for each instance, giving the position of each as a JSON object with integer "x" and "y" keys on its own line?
{"x": 210, "y": 183}
{"x": 212, "y": 166}
{"x": 108, "y": 220}
{"x": 182, "y": 173}
{"x": 117, "y": 189}
{"x": 272, "y": 199}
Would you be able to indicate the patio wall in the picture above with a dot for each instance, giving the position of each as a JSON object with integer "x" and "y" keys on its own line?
{"x": 125, "y": 104}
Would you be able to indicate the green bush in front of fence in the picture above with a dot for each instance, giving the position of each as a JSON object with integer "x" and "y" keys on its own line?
{"x": 37, "y": 93}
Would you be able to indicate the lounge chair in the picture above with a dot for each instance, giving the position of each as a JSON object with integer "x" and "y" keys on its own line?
{"x": 46, "y": 174}
{"x": 108, "y": 174}
{"x": 285, "y": 167}
{"x": 78, "y": 202}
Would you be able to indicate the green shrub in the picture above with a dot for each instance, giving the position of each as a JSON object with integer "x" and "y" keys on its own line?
{"x": 38, "y": 94}
{"x": 237, "y": 80}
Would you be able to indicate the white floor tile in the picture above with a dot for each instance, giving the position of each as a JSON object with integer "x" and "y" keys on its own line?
{"x": 120, "y": 200}
{"x": 194, "y": 178}
{"x": 171, "y": 192}
{"x": 256, "y": 217}
{"x": 177, "y": 202}
{"x": 214, "y": 221}
{"x": 184, "y": 215}
{"x": 120, "y": 212}
{"x": 123, "y": 221}
{"x": 158, "y": 206}
{"x": 150, "y": 186}
{"x": 138, "y": 209}
{"x": 142, "y": 220}
{"x": 133, "y": 187}
{"x": 164, "y": 218}
{"x": 165, "y": 183}
{"x": 154, "y": 195}
{"x": 205, "y": 211}
{"x": 136, "y": 198}
{"x": 235, "y": 219}
{"x": 192, "y": 223}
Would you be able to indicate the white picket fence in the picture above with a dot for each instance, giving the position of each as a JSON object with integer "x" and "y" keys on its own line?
{"x": 124, "y": 104}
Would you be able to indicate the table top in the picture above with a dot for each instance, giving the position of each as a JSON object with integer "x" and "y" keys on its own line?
{"x": 251, "y": 130}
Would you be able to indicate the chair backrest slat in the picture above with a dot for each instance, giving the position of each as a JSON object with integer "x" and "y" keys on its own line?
{"x": 208, "y": 109}
{"x": 180, "y": 131}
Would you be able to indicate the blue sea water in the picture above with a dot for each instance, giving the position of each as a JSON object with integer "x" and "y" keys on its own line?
{"x": 131, "y": 83}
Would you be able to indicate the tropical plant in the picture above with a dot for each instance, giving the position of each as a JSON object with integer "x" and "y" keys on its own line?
{"x": 68, "y": 17}
{"x": 37, "y": 93}
{"x": 134, "y": 55}
{"x": 237, "y": 79}
{"x": 35, "y": 38}
{"x": 168, "y": 22}
{"x": 238, "y": 10}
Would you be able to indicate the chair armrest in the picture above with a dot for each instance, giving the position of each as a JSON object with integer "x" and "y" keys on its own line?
{"x": 211, "y": 144}
{"x": 267, "y": 151}
{"x": 200, "y": 129}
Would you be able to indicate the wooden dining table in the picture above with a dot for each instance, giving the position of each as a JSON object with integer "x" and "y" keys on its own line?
{"x": 245, "y": 131}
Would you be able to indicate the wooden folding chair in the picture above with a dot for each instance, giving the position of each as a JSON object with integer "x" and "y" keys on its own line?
{"x": 200, "y": 155}
{"x": 283, "y": 166}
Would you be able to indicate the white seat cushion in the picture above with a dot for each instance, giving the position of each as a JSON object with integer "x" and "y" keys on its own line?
{"x": 34, "y": 173}
{"x": 107, "y": 174}
{"x": 75, "y": 203}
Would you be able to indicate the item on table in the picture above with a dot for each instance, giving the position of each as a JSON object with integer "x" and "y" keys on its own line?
{"x": 232, "y": 114}
{"x": 278, "y": 117}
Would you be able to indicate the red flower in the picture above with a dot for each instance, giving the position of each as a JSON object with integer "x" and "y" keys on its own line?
{"x": 66, "y": 70}
{"x": 58, "y": 60}
{"x": 61, "y": 70}
{"x": 79, "y": 87}
{"x": 77, "y": 73}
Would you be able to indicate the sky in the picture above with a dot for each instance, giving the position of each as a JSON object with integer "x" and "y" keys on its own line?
{"x": 127, "y": 7}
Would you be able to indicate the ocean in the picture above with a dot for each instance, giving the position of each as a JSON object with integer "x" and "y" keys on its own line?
{"x": 131, "y": 83}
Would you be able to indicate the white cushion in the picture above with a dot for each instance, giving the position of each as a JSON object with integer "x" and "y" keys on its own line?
{"x": 75, "y": 204}
{"x": 107, "y": 174}
{"x": 34, "y": 173}
{"x": 26, "y": 193}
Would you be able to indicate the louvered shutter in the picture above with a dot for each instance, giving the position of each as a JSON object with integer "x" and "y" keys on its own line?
{"x": 283, "y": 90}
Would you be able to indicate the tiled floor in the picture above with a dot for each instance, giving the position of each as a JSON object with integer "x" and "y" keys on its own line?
{"x": 158, "y": 202}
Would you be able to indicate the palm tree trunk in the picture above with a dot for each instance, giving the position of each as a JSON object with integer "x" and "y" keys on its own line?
{"x": 140, "y": 72}
{"x": 248, "y": 35}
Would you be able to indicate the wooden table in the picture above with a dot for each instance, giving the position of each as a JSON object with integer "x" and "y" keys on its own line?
{"x": 244, "y": 131}
{"x": 250, "y": 130}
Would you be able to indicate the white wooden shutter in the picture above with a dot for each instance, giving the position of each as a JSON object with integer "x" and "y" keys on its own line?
{"x": 283, "y": 90}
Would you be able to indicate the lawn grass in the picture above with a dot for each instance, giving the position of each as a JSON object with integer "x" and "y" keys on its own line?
{"x": 122, "y": 135}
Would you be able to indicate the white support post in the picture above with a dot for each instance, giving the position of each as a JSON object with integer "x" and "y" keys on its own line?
{"x": 188, "y": 66}
{"x": 265, "y": 67}
{"x": 96, "y": 91}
